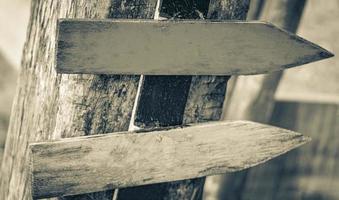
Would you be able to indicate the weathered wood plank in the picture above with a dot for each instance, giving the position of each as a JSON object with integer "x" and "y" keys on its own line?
{"x": 94, "y": 163}
{"x": 164, "y": 48}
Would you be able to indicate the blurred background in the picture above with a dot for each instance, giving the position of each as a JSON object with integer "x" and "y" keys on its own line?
{"x": 304, "y": 99}
{"x": 14, "y": 16}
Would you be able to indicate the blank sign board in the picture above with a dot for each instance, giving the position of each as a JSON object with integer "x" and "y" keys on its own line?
{"x": 179, "y": 47}
{"x": 101, "y": 162}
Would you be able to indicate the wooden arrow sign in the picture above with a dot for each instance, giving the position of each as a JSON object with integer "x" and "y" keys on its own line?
{"x": 95, "y": 163}
{"x": 179, "y": 47}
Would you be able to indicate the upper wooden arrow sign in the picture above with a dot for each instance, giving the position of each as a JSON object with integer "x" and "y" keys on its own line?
{"x": 101, "y": 162}
{"x": 179, "y": 47}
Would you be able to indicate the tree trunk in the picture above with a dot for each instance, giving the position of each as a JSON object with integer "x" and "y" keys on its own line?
{"x": 49, "y": 105}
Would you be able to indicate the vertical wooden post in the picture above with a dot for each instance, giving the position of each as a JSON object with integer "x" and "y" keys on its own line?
{"x": 49, "y": 106}
{"x": 173, "y": 100}
{"x": 252, "y": 97}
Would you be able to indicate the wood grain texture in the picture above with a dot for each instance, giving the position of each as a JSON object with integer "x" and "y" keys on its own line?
{"x": 93, "y": 163}
{"x": 158, "y": 106}
{"x": 163, "y": 47}
{"x": 50, "y": 106}
{"x": 204, "y": 101}
{"x": 161, "y": 102}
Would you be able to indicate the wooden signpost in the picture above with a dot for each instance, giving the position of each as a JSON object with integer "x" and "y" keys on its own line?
{"x": 96, "y": 163}
{"x": 198, "y": 98}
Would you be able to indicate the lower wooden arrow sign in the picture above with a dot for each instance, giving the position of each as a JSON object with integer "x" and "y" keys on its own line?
{"x": 95, "y": 163}
{"x": 179, "y": 47}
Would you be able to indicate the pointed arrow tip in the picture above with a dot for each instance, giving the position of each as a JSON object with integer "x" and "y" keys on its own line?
{"x": 305, "y": 139}
{"x": 326, "y": 54}
{"x": 278, "y": 141}
{"x": 294, "y": 140}
{"x": 300, "y": 140}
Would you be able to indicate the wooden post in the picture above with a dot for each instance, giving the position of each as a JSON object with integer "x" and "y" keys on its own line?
{"x": 50, "y": 106}
{"x": 173, "y": 100}
{"x": 252, "y": 97}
